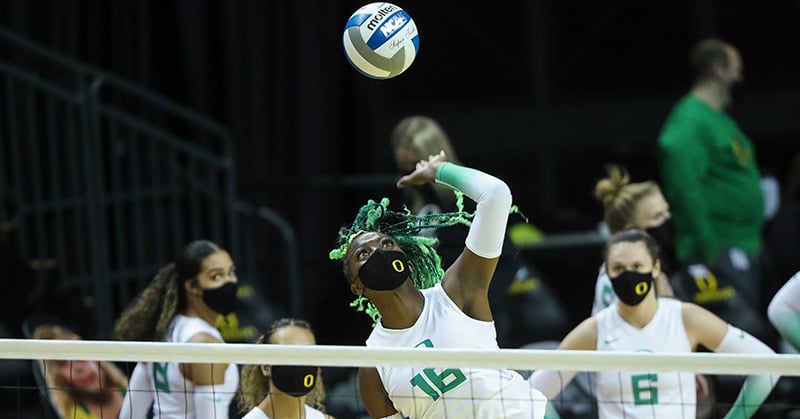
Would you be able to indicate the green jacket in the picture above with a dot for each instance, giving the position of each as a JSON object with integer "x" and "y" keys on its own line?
{"x": 711, "y": 181}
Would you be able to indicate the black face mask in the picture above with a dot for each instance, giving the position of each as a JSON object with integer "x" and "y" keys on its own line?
{"x": 384, "y": 270}
{"x": 631, "y": 287}
{"x": 222, "y": 299}
{"x": 664, "y": 235}
{"x": 294, "y": 380}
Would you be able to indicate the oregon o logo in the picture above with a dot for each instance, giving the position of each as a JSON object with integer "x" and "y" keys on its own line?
{"x": 641, "y": 288}
{"x": 308, "y": 380}
{"x": 398, "y": 265}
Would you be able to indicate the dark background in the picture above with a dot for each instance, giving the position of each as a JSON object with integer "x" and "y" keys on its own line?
{"x": 541, "y": 93}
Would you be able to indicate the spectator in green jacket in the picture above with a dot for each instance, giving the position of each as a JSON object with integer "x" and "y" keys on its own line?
{"x": 710, "y": 175}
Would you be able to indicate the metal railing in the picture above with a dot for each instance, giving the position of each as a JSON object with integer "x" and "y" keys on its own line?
{"x": 106, "y": 179}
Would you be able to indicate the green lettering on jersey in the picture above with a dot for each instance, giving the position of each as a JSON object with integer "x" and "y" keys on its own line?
{"x": 160, "y": 376}
{"x": 444, "y": 382}
{"x": 645, "y": 389}
{"x": 419, "y": 381}
{"x": 426, "y": 343}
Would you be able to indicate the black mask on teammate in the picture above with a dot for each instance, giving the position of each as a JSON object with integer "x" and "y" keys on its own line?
{"x": 664, "y": 235}
{"x": 294, "y": 380}
{"x": 221, "y": 299}
{"x": 631, "y": 287}
{"x": 384, "y": 270}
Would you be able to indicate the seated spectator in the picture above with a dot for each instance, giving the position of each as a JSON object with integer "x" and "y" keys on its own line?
{"x": 81, "y": 389}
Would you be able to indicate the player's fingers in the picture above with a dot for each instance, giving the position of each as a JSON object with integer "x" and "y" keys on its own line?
{"x": 402, "y": 181}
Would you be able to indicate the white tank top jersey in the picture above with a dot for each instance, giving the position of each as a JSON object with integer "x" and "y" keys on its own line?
{"x": 173, "y": 398}
{"x": 257, "y": 413}
{"x": 644, "y": 394}
{"x": 421, "y": 393}
{"x": 603, "y": 291}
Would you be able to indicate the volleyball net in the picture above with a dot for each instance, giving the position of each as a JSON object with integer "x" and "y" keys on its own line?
{"x": 341, "y": 362}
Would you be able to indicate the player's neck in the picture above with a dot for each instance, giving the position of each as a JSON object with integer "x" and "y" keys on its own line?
{"x": 400, "y": 308}
{"x": 712, "y": 94}
{"x": 639, "y": 315}
{"x": 277, "y": 405}
{"x": 103, "y": 404}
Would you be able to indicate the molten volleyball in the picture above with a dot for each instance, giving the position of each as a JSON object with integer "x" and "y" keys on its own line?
{"x": 380, "y": 40}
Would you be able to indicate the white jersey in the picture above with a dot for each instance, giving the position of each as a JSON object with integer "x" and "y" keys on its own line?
{"x": 644, "y": 394}
{"x": 257, "y": 413}
{"x": 173, "y": 398}
{"x": 604, "y": 294}
{"x": 452, "y": 393}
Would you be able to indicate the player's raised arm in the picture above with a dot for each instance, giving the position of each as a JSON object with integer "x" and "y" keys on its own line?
{"x": 467, "y": 280}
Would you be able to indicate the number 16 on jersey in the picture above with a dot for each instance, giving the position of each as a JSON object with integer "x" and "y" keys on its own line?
{"x": 433, "y": 384}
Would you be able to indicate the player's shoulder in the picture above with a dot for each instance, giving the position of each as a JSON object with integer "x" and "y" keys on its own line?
{"x": 203, "y": 337}
{"x": 193, "y": 329}
{"x": 583, "y": 336}
{"x": 694, "y": 315}
{"x": 686, "y": 115}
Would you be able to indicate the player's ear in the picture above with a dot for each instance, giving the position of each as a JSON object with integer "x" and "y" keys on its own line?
{"x": 191, "y": 286}
{"x": 357, "y": 288}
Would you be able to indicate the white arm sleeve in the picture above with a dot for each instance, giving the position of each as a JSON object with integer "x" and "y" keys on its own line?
{"x": 757, "y": 387}
{"x": 784, "y": 311}
{"x": 550, "y": 383}
{"x": 210, "y": 403}
{"x": 737, "y": 341}
{"x": 139, "y": 397}
{"x": 485, "y": 237}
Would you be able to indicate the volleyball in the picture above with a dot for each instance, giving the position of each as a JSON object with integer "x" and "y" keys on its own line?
{"x": 380, "y": 40}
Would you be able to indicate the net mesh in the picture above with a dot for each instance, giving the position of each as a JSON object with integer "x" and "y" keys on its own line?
{"x": 440, "y": 373}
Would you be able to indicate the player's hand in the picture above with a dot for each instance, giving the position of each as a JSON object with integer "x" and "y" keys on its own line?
{"x": 425, "y": 172}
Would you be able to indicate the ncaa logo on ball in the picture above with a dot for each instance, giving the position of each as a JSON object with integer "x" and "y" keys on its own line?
{"x": 380, "y": 40}
{"x": 394, "y": 24}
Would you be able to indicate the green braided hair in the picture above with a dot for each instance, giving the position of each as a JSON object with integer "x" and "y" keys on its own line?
{"x": 404, "y": 227}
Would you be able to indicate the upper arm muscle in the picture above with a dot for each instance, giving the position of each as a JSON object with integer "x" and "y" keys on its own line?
{"x": 204, "y": 374}
{"x": 582, "y": 337}
{"x": 467, "y": 281}
{"x": 702, "y": 326}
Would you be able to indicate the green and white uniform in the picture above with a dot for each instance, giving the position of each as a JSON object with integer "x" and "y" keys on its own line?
{"x": 644, "y": 394}
{"x": 171, "y": 394}
{"x": 452, "y": 393}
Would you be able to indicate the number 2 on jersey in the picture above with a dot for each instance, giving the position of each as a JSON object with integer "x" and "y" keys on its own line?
{"x": 160, "y": 376}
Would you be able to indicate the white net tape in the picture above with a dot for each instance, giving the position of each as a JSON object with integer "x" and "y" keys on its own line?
{"x": 354, "y": 356}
